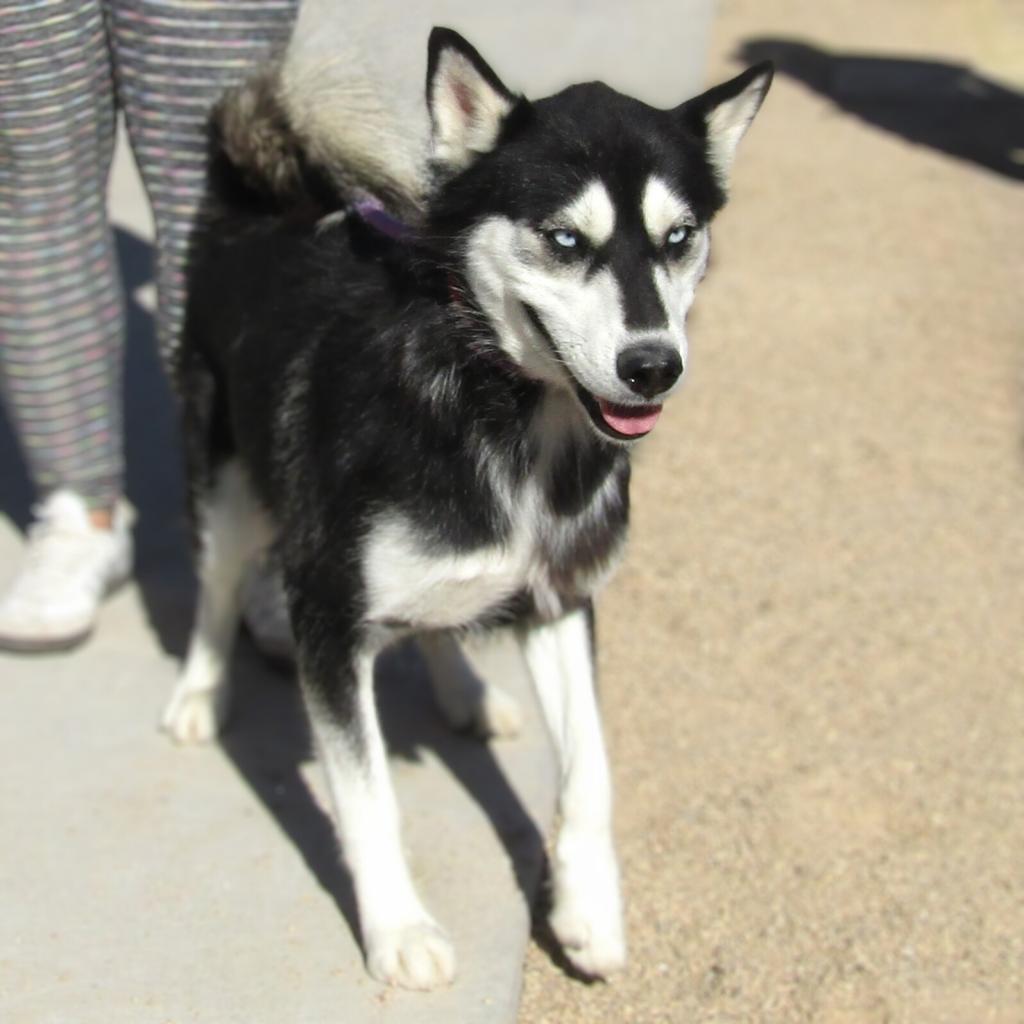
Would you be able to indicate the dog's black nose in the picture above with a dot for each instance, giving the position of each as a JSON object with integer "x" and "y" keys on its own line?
{"x": 649, "y": 368}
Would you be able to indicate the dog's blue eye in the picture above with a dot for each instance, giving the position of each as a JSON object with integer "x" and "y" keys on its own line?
{"x": 565, "y": 238}
{"x": 677, "y": 235}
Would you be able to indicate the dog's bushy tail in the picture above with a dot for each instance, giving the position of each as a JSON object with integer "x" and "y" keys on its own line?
{"x": 313, "y": 130}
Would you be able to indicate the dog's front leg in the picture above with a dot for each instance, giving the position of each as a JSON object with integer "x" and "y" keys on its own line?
{"x": 403, "y": 944}
{"x": 587, "y": 912}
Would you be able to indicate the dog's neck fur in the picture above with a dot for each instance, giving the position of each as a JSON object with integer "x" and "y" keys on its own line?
{"x": 544, "y": 423}
{"x": 552, "y": 463}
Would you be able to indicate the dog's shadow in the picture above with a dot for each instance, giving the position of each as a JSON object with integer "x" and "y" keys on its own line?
{"x": 940, "y": 104}
{"x": 267, "y": 739}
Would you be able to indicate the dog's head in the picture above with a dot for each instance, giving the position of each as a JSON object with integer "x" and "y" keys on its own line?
{"x": 581, "y": 223}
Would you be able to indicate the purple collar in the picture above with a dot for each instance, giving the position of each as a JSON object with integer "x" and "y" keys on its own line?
{"x": 372, "y": 211}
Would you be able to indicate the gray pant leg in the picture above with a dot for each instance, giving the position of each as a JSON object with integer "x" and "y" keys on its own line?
{"x": 173, "y": 60}
{"x": 61, "y": 314}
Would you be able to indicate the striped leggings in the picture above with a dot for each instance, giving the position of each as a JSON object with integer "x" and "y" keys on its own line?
{"x": 66, "y": 66}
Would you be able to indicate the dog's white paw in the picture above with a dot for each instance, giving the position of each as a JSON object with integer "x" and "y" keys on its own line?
{"x": 591, "y": 938}
{"x": 417, "y": 956}
{"x": 497, "y": 715}
{"x": 193, "y": 716}
{"x": 587, "y": 915}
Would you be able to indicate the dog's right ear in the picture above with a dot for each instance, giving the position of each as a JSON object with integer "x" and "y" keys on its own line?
{"x": 723, "y": 114}
{"x": 466, "y": 99}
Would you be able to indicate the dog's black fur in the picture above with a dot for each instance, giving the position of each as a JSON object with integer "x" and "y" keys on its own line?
{"x": 353, "y": 374}
{"x": 317, "y": 355}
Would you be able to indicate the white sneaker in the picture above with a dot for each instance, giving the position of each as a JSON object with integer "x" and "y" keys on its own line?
{"x": 69, "y": 567}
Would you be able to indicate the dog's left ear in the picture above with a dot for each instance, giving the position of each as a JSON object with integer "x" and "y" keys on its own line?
{"x": 466, "y": 99}
{"x": 723, "y": 114}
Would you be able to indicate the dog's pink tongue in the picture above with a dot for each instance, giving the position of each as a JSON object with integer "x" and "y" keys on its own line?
{"x": 631, "y": 420}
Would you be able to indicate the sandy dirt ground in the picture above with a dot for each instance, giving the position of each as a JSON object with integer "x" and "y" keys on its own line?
{"x": 812, "y": 661}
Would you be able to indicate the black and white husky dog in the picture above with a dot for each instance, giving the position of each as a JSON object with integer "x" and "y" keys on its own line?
{"x": 431, "y": 419}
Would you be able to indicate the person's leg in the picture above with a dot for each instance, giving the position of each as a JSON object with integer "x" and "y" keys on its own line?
{"x": 173, "y": 60}
{"x": 61, "y": 317}
{"x": 61, "y": 322}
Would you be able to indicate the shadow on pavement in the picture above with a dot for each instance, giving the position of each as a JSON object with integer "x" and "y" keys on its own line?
{"x": 932, "y": 103}
{"x": 268, "y": 740}
{"x": 15, "y": 490}
{"x": 153, "y": 464}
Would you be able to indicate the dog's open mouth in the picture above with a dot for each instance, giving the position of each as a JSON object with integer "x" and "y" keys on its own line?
{"x": 622, "y": 422}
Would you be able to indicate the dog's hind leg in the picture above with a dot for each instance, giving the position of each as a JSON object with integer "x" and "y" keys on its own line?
{"x": 587, "y": 912}
{"x": 467, "y": 699}
{"x": 232, "y": 531}
{"x": 403, "y": 944}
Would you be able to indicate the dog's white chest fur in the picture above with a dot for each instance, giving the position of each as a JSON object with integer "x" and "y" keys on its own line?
{"x": 410, "y": 581}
